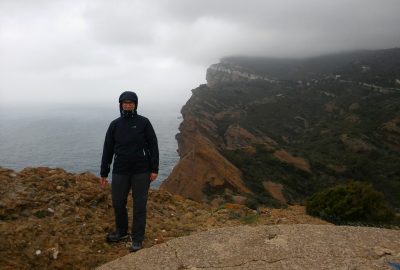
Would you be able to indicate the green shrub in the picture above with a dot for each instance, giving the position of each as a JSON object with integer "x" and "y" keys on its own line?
{"x": 40, "y": 214}
{"x": 249, "y": 219}
{"x": 350, "y": 203}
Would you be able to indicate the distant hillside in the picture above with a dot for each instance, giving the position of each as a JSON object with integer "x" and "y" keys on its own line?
{"x": 277, "y": 131}
{"x": 381, "y": 67}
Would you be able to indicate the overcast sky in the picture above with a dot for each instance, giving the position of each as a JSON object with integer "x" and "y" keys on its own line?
{"x": 90, "y": 51}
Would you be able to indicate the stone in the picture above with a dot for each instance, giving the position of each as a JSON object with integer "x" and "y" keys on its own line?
{"x": 233, "y": 206}
{"x": 217, "y": 201}
{"x": 25, "y": 213}
{"x": 380, "y": 251}
{"x": 188, "y": 215}
{"x": 239, "y": 199}
{"x": 53, "y": 252}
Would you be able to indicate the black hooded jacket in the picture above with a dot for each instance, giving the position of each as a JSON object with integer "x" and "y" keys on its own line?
{"x": 132, "y": 141}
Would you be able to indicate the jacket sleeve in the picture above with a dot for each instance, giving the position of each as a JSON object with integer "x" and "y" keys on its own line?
{"x": 108, "y": 151}
{"x": 152, "y": 147}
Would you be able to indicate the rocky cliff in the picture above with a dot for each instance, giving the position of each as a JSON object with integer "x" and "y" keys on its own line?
{"x": 275, "y": 131}
{"x": 52, "y": 219}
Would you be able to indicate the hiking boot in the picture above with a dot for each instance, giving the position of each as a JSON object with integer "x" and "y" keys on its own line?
{"x": 135, "y": 246}
{"x": 116, "y": 237}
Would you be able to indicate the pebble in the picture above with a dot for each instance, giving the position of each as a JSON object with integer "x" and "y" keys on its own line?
{"x": 54, "y": 253}
{"x": 380, "y": 251}
{"x": 25, "y": 213}
{"x": 38, "y": 252}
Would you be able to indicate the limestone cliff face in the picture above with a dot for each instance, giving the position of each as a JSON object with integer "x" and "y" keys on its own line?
{"x": 229, "y": 72}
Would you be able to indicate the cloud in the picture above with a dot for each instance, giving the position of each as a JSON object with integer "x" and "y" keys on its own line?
{"x": 296, "y": 28}
{"x": 91, "y": 50}
{"x": 122, "y": 23}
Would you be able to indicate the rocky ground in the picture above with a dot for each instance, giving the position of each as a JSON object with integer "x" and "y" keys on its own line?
{"x": 301, "y": 246}
{"x": 52, "y": 219}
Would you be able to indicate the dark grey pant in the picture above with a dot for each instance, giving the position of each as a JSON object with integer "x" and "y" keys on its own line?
{"x": 120, "y": 187}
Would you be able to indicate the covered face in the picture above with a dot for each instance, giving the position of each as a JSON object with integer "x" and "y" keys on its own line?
{"x": 128, "y": 95}
{"x": 128, "y": 110}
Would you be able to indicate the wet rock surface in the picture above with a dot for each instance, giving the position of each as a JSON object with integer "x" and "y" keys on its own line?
{"x": 52, "y": 219}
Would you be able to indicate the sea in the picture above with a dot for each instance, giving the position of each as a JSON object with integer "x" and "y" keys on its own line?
{"x": 72, "y": 137}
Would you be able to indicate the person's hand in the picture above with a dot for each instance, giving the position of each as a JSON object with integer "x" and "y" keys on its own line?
{"x": 103, "y": 182}
{"x": 153, "y": 176}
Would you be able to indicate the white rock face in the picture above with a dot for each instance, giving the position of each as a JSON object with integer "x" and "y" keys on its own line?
{"x": 272, "y": 247}
{"x": 227, "y": 72}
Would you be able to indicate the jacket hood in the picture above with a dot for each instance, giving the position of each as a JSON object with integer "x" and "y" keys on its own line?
{"x": 128, "y": 95}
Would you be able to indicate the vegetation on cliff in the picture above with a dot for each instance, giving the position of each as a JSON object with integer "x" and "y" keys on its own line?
{"x": 302, "y": 125}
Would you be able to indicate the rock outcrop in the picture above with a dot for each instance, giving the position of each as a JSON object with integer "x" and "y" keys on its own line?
{"x": 200, "y": 168}
{"x": 272, "y": 247}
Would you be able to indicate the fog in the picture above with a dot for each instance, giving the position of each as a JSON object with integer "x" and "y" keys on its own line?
{"x": 70, "y": 53}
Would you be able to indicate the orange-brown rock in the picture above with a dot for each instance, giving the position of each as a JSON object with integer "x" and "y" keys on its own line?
{"x": 392, "y": 133}
{"x": 200, "y": 167}
{"x": 393, "y": 125}
{"x": 275, "y": 190}
{"x": 238, "y": 137}
{"x": 297, "y": 162}
{"x": 355, "y": 145}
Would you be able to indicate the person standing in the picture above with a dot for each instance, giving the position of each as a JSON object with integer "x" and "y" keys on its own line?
{"x": 132, "y": 142}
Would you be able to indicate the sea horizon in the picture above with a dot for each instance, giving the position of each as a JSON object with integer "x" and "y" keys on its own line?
{"x": 71, "y": 137}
